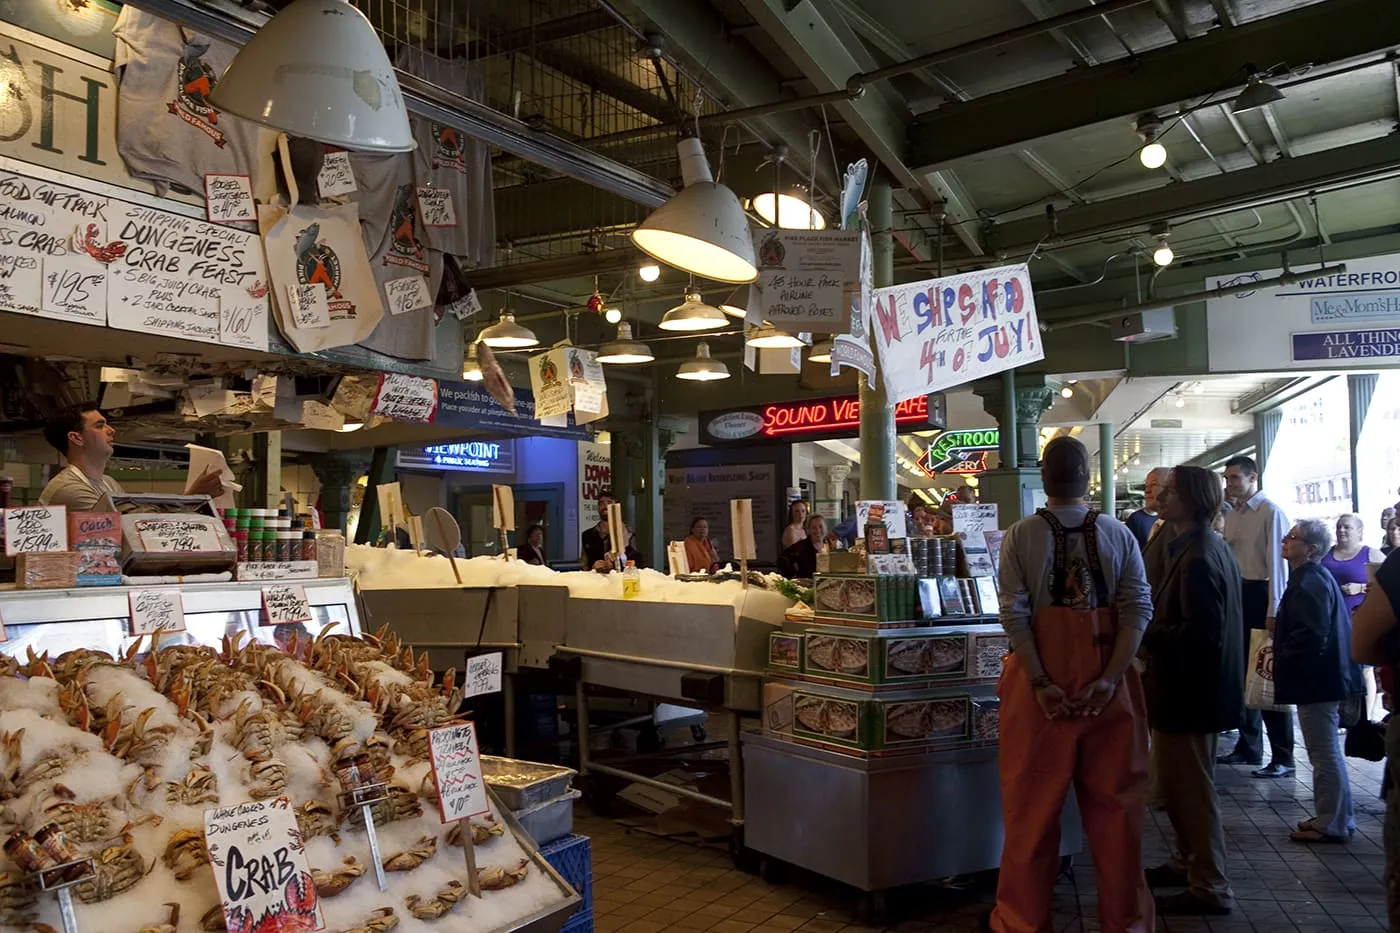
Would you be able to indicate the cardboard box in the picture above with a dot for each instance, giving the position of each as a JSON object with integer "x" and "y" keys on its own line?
{"x": 164, "y": 534}
{"x": 777, "y": 708}
{"x": 987, "y": 656}
{"x": 785, "y": 651}
{"x": 911, "y": 720}
{"x": 986, "y": 719}
{"x": 867, "y": 600}
{"x": 53, "y": 570}
{"x": 96, "y": 537}
{"x": 902, "y": 658}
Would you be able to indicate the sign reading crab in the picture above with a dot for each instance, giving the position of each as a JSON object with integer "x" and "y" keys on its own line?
{"x": 260, "y": 867}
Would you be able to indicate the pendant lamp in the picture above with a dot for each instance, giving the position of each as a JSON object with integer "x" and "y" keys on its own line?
{"x": 737, "y": 304}
{"x": 789, "y": 207}
{"x": 1257, "y": 93}
{"x": 318, "y": 70}
{"x": 768, "y": 337}
{"x": 702, "y": 229}
{"x": 624, "y": 350}
{"x": 508, "y": 335}
{"x": 821, "y": 351}
{"x": 703, "y": 368}
{"x": 693, "y": 314}
{"x": 471, "y": 369}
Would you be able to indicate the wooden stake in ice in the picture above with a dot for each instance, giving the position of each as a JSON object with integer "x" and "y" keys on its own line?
{"x": 445, "y": 535}
{"x": 461, "y": 791}
{"x": 617, "y": 535}
{"x": 503, "y": 515}
{"x": 741, "y": 527}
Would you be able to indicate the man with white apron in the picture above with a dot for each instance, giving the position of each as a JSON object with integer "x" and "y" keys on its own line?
{"x": 1075, "y": 602}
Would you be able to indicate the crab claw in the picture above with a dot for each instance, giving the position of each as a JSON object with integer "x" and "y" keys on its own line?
{"x": 449, "y": 680}
{"x": 129, "y": 656}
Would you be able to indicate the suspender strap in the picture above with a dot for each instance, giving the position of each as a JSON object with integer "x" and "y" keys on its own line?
{"x": 1091, "y": 551}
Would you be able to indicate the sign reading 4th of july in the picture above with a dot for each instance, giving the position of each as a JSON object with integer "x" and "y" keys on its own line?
{"x": 944, "y": 332}
{"x": 260, "y": 868}
{"x": 959, "y": 452}
{"x": 456, "y": 763}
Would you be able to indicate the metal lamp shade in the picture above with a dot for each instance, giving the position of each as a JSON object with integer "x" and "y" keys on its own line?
{"x": 624, "y": 350}
{"x": 508, "y": 335}
{"x": 471, "y": 369}
{"x": 693, "y": 314}
{"x": 790, "y": 208}
{"x": 821, "y": 352}
{"x": 1257, "y": 93}
{"x": 768, "y": 337}
{"x": 318, "y": 70}
{"x": 737, "y": 304}
{"x": 702, "y": 368}
{"x": 703, "y": 229}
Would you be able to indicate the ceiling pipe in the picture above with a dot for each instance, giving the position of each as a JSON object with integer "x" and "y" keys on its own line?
{"x": 1095, "y": 317}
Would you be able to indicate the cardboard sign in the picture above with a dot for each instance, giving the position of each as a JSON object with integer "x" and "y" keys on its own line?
{"x": 36, "y": 529}
{"x": 74, "y": 289}
{"x": 465, "y": 307}
{"x": 503, "y": 508}
{"x": 411, "y": 399}
{"x": 435, "y": 207}
{"x": 21, "y": 280}
{"x": 229, "y": 198}
{"x": 260, "y": 867}
{"x": 309, "y": 305}
{"x": 391, "y": 513}
{"x": 406, "y": 294}
{"x": 456, "y": 764}
{"x": 193, "y": 534}
{"x": 286, "y": 604}
{"x": 336, "y": 177}
{"x": 971, "y": 524}
{"x": 156, "y": 609}
{"x": 892, "y": 512}
{"x": 741, "y": 527}
{"x": 808, "y": 280}
{"x": 483, "y": 674}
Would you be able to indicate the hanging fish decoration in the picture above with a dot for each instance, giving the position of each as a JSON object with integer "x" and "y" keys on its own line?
{"x": 494, "y": 379}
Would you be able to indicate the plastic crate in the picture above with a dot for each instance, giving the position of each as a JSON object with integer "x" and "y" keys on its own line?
{"x": 572, "y": 857}
{"x": 581, "y": 922}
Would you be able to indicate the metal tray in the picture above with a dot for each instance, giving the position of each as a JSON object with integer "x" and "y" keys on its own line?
{"x": 524, "y": 784}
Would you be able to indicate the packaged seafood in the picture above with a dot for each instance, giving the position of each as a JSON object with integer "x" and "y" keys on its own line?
{"x": 777, "y": 709}
{"x": 887, "y": 723}
{"x": 986, "y": 718}
{"x": 989, "y": 651}
{"x": 785, "y": 651}
{"x": 927, "y": 657}
{"x": 867, "y": 600}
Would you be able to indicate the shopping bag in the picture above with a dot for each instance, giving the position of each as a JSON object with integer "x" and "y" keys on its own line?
{"x": 1259, "y": 678}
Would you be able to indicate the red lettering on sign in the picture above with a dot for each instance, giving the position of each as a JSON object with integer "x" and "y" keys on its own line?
{"x": 836, "y": 414}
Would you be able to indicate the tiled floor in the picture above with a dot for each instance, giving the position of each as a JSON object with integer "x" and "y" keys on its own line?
{"x": 644, "y": 884}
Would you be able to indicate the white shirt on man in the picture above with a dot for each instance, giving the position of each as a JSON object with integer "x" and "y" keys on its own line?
{"x": 1255, "y": 531}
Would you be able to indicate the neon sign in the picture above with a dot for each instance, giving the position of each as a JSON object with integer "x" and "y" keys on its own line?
{"x": 959, "y": 452}
{"x": 802, "y": 420}
{"x": 471, "y": 456}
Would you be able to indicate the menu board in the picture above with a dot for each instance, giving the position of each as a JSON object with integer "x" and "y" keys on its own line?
{"x": 74, "y": 256}
{"x": 704, "y": 492}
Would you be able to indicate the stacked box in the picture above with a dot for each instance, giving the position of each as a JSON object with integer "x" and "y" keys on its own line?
{"x": 572, "y": 857}
{"x": 785, "y": 651}
{"x": 96, "y": 537}
{"x": 986, "y": 719}
{"x": 850, "y": 719}
{"x": 866, "y": 600}
{"x": 908, "y": 656}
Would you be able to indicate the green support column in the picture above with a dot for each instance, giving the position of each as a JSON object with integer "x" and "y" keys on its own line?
{"x": 1017, "y": 402}
{"x": 877, "y": 431}
{"x": 1108, "y": 503}
{"x": 338, "y": 473}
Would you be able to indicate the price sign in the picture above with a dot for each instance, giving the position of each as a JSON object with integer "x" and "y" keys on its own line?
{"x": 242, "y": 322}
{"x": 156, "y": 609}
{"x": 483, "y": 674}
{"x": 456, "y": 767}
{"x": 407, "y": 294}
{"x": 286, "y": 604}
{"x": 74, "y": 289}
{"x": 413, "y": 399}
{"x": 309, "y": 304}
{"x": 21, "y": 281}
{"x": 193, "y": 534}
{"x": 465, "y": 307}
{"x": 336, "y": 177}
{"x": 435, "y": 207}
{"x": 36, "y": 529}
{"x": 229, "y": 198}
{"x": 260, "y": 867}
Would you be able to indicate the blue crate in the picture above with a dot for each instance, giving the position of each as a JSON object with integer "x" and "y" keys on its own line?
{"x": 572, "y": 857}
{"x": 581, "y": 922}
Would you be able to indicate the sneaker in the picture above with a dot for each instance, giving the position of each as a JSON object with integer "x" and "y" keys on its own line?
{"x": 1165, "y": 876}
{"x": 1239, "y": 758}
{"x": 1187, "y": 904}
{"x": 1273, "y": 771}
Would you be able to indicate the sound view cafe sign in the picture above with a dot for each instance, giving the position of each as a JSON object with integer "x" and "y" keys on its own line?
{"x": 468, "y": 457}
{"x": 813, "y": 420}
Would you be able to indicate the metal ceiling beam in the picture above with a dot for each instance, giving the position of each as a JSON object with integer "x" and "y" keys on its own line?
{"x": 554, "y": 270}
{"x": 1240, "y": 443}
{"x": 1224, "y": 13}
{"x": 1172, "y": 14}
{"x": 1276, "y": 130}
{"x": 1076, "y": 50}
{"x": 1207, "y": 66}
{"x": 1282, "y": 180}
{"x": 828, "y": 52}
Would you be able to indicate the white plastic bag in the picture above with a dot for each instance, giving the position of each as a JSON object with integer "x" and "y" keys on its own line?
{"x": 1259, "y": 677}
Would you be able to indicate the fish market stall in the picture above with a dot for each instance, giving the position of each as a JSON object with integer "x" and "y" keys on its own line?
{"x": 119, "y": 749}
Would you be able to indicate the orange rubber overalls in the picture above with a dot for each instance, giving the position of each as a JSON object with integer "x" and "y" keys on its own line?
{"x": 1103, "y": 757}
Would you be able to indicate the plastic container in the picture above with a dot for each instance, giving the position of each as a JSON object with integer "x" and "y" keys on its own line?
{"x": 631, "y": 581}
{"x": 308, "y": 545}
{"x": 572, "y": 857}
{"x": 551, "y": 820}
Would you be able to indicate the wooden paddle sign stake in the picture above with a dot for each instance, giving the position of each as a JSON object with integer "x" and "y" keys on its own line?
{"x": 503, "y": 514}
{"x": 461, "y": 789}
{"x": 445, "y": 535}
{"x": 617, "y": 535}
{"x": 741, "y": 526}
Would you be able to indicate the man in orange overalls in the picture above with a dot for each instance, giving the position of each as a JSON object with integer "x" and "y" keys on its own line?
{"x": 1075, "y": 602}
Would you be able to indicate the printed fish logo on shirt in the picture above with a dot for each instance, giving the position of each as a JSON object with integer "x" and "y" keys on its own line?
{"x": 450, "y": 150}
{"x": 194, "y": 82}
{"x": 317, "y": 264}
{"x": 405, "y": 249}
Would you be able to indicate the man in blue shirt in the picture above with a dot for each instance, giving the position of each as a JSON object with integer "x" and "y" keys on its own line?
{"x": 1141, "y": 522}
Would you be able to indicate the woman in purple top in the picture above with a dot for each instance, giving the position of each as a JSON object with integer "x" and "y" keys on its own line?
{"x": 1347, "y": 561}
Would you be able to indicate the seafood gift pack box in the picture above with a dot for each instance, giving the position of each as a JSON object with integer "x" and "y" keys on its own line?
{"x": 888, "y": 723}
{"x": 867, "y": 600}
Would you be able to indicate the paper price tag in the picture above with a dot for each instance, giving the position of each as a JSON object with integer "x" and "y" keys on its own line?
{"x": 229, "y": 198}
{"x": 36, "y": 529}
{"x": 243, "y": 323}
{"x": 156, "y": 609}
{"x": 286, "y": 604}
{"x": 74, "y": 289}
{"x": 435, "y": 207}
{"x": 252, "y": 847}
{"x": 407, "y": 294}
{"x": 193, "y": 534}
{"x": 588, "y": 398}
{"x": 336, "y": 178}
{"x": 483, "y": 674}
{"x": 309, "y": 305}
{"x": 456, "y": 763}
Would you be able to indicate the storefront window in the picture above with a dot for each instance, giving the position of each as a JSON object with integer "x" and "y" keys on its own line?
{"x": 1308, "y": 471}
{"x": 1378, "y": 456}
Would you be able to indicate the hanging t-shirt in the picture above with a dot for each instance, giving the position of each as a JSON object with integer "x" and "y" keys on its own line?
{"x": 393, "y": 236}
{"x": 321, "y": 245}
{"x": 167, "y": 131}
{"x": 448, "y": 158}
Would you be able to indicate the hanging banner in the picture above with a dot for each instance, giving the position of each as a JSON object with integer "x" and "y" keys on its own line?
{"x": 588, "y": 385}
{"x": 945, "y": 332}
{"x": 594, "y": 476}
{"x": 853, "y": 349}
{"x": 567, "y": 378}
{"x": 808, "y": 280}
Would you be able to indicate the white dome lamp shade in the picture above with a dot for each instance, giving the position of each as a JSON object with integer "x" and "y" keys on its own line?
{"x": 821, "y": 351}
{"x": 794, "y": 209}
{"x": 703, "y": 368}
{"x": 768, "y": 337}
{"x": 624, "y": 350}
{"x": 318, "y": 70}
{"x": 702, "y": 229}
{"x": 737, "y": 304}
{"x": 693, "y": 314}
{"x": 508, "y": 335}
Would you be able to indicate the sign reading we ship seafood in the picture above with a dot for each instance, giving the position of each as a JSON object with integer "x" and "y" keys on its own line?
{"x": 260, "y": 868}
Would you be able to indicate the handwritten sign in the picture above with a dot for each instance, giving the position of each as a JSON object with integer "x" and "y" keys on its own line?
{"x": 892, "y": 513}
{"x": 435, "y": 207}
{"x": 412, "y": 399}
{"x": 21, "y": 279}
{"x": 182, "y": 534}
{"x": 945, "y": 332}
{"x": 336, "y": 177}
{"x": 74, "y": 289}
{"x": 502, "y": 507}
{"x": 407, "y": 294}
{"x": 272, "y": 570}
{"x": 456, "y": 767}
{"x": 156, "y": 609}
{"x": 483, "y": 674}
{"x": 242, "y": 321}
{"x": 229, "y": 198}
{"x": 260, "y": 867}
{"x": 465, "y": 307}
{"x": 286, "y": 604}
{"x": 807, "y": 279}
{"x": 310, "y": 305}
{"x": 36, "y": 529}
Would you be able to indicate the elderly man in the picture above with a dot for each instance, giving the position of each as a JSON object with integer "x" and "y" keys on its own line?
{"x": 1074, "y": 602}
{"x": 1144, "y": 520}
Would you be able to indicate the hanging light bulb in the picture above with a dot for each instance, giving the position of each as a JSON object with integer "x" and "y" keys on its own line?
{"x": 693, "y": 314}
{"x": 1152, "y": 154}
{"x": 649, "y": 272}
{"x": 1199, "y": 388}
{"x": 1163, "y": 254}
{"x": 703, "y": 368}
{"x": 1066, "y": 392}
{"x": 768, "y": 337}
{"x": 624, "y": 350}
{"x": 821, "y": 351}
{"x": 507, "y": 334}
{"x": 1180, "y": 402}
{"x": 612, "y": 315}
{"x": 471, "y": 369}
